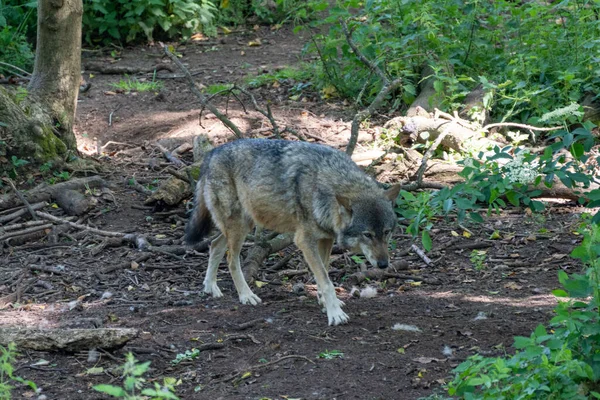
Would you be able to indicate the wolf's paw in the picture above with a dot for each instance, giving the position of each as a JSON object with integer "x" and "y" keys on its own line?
{"x": 212, "y": 289}
{"x": 250, "y": 298}
{"x": 337, "y": 317}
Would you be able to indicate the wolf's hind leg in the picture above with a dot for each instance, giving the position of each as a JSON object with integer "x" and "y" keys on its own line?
{"x": 333, "y": 305}
{"x": 235, "y": 239}
{"x": 217, "y": 250}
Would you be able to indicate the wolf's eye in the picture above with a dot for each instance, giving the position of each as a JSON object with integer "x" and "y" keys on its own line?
{"x": 368, "y": 235}
{"x": 386, "y": 232}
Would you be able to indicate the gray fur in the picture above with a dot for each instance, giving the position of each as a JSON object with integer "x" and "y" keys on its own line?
{"x": 314, "y": 191}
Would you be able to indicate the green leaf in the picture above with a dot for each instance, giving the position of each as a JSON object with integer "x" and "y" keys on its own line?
{"x": 426, "y": 241}
{"x": 560, "y": 293}
{"x": 562, "y": 277}
{"x": 448, "y": 203}
{"x": 577, "y": 150}
{"x": 111, "y": 390}
{"x": 521, "y": 342}
{"x": 513, "y": 197}
{"x": 536, "y": 206}
{"x": 159, "y": 394}
{"x": 540, "y": 330}
{"x": 476, "y": 217}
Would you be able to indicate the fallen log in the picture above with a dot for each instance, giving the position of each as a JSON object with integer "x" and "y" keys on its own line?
{"x": 45, "y": 192}
{"x": 70, "y": 340}
{"x": 257, "y": 255}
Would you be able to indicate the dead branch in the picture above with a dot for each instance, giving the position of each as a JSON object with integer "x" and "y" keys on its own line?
{"x": 260, "y": 252}
{"x": 9, "y": 217}
{"x": 421, "y": 254}
{"x": 170, "y": 156}
{"x": 459, "y": 137}
{"x": 267, "y": 114}
{"x": 23, "y": 199}
{"x": 521, "y": 126}
{"x": 32, "y": 229}
{"x": 75, "y": 225}
{"x": 21, "y": 225}
{"x": 419, "y": 179}
{"x": 70, "y": 340}
{"x": 386, "y": 88}
{"x": 111, "y": 69}
{"x": 281, "y": 263}
{"x": 200, "y": 96}
{"x": 375, "y": 274}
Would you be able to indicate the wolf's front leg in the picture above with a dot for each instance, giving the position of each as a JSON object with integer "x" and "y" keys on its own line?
{"x": 328, "y": 298}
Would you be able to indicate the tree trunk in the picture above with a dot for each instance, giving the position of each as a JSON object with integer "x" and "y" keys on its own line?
{"x": 57, "y": 70}
{"x": 37, "y": 125}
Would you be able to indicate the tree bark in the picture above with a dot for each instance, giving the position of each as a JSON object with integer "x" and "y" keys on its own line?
{"x": 57, "y": 70}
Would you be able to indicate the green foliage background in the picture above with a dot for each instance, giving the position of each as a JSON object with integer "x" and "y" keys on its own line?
{"x": 535, "y": 56}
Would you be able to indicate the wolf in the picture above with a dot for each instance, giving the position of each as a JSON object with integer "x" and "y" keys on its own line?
{"x": 313, "y": 191}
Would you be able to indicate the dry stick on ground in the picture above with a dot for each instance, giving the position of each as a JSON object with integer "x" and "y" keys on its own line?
{"x": 418, "y": 182}
{"x": 22, "y": 198}
{"x": 79, "y": 226}
{"x": 9, "y": 217}
{"x": 21, "y": 225}
{"x": 201, "y": 97}
{"x": 281, "y": 263}
{"x": 268, "y": 114}
{"x": 522, "y": 126}
{"x": 385, "y": 89}
{"x": 25, "y": 231}
{"x": 170, "y": 156}
{"x": 124, "y": 70}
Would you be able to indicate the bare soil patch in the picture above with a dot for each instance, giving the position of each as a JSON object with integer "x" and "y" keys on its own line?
{"x": 271, "y": 350}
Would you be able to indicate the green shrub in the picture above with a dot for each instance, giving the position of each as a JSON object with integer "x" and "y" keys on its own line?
{"x": 14, "y": 50}
{"x": 240, "y": 12}
{"x": 17, "y": 23}
{"x": 21, "y": 16}
{"x": 7, "y": 378}
{"x": 128, "y": 21}
{"x": 560, "y": 364}
{"x": 534, "y": 56}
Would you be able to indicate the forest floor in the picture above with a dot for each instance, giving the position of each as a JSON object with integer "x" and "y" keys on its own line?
{"x": 282, "y": 348}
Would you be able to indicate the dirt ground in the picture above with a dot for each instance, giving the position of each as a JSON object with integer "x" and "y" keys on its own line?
{"x": 283, "y": 348}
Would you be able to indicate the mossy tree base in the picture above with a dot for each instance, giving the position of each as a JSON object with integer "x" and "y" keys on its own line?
{"x": 27, "y": 131}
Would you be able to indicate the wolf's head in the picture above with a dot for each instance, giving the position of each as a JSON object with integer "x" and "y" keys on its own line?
{"x": 371, "y": 220}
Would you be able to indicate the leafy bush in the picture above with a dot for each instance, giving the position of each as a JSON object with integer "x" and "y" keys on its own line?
{"x": 561, "y": 364}
{"x": 17, "y": 22}
{"x": 534, "y": 56}
{"x": 239, "y": 12}
{"x": 20, "y": 15}
{"x": 7, "y": 377}
{"x": 129, "y": 21}
{"x": 133, "y": 383}
{"x": 507, "y": 176}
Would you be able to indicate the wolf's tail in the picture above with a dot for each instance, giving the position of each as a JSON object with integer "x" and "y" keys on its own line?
{"x": 200, "y": 222}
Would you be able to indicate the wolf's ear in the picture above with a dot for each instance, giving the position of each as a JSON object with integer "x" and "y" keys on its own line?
{"x": 344, "y": 202}
{"x": 392, "y": 193}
